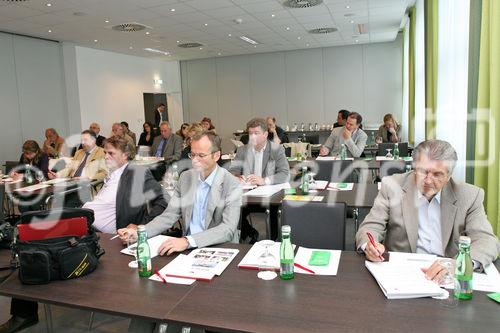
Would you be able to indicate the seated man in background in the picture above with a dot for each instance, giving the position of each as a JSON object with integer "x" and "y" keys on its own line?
{"x": 88, "y": 161}
{"x": 207, "y": 198}
{"x": 275, "y": 133}
{"x": 119, "y": 130}
{"x": 351, "y": 135}
{"x": 260, "y": 162}
{"x": 167, "y": 145}
{"x": 54, "y": 144}
{"x": 94, "y": 127}
{"x": 341, "y": 118}
{"x": 426, "y": 211}
{"x": 129, "y": 196}
{"x": 389, "y": 130}
{"x": 129, "y": 132}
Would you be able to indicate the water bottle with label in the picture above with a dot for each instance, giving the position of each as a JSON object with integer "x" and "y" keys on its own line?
{"x": 28, "y": 175}
{"x": 396, "y": 151}
{"x": 304, "y": 186}
{"x": 343, "y": 152}
{"x": 463, "y": 270}
{"x": 143, "y": 253}
{"x": 286, "y": 254}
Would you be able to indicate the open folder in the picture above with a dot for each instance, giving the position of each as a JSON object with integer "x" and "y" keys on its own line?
{"x": 399, "y": 280}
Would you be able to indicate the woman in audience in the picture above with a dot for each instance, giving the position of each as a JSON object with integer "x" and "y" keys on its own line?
{"x": 183, "y": 131}
{"x": 389, "y": 131}
{"x": 193, "y": 129}
{"x": 54, "y": 144}
{"x": 33, "y": 158}
{"x": 147, "y": 135}
{"x": 206, "y": 123}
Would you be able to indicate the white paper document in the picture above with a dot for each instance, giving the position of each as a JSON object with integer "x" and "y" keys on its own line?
{"x": 55, "y": 181}
{"x": 336, "y": 187}
{"x": 251, "y": 259}
{"x": 402, "y": 280}
{"x": 32, "y": 188}
{"x": 304, "y": 254}
{"x": 383, "y": 158}
{"x": 333, "y": 158}
{"x": 420, "y": 260}
{"x": 318, "y": 185}
{"x": 267, "y": 190}
{"x": 153, "y": 242}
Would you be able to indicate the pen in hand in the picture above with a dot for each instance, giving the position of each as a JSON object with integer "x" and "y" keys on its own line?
{"x": 372, "y": 241}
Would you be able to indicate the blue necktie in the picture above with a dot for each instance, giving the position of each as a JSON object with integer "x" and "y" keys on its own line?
{"x": 159, "y": 150}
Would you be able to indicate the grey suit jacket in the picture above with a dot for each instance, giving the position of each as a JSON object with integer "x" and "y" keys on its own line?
{"x": 223, "y": 209}
{"x": 274, "y": 163}
{"x": 355, "y": 145}
{"x": 393, "y": 218}
{"x": 171, "y": 150}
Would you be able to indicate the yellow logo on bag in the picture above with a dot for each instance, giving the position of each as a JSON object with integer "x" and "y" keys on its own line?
{"x": 80, "y": 269}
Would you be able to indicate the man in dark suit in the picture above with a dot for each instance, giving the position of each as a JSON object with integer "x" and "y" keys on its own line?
{"x": 94, "y": 127}
{"x": 160, "y": 116}
{"x": 129, "y": 196}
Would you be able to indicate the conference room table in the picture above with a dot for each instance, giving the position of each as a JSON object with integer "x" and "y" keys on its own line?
{"x": 237, "y": 301}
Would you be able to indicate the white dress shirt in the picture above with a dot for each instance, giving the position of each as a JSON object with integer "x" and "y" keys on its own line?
{"x": 258, "y": 156}
{"x": 104, "y": 203}
{"x": 429, "y": 225}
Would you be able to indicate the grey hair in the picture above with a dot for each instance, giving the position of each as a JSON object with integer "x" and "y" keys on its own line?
{"x": 437, "y": 150}
{"x": 165, "y": 123}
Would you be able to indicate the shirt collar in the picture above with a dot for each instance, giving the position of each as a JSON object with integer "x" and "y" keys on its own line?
{"x": 261, "y": 151}
{"x": 437, "y": 197}
{"x": 210, "y": 179}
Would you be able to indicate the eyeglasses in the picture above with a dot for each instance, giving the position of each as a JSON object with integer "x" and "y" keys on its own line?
{"x": 432, "y": 175}
{"x": 200, "y": 155}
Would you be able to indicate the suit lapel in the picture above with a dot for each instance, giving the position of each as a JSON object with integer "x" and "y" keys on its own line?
{"x": 410, "y": 211}
{"x": 448, "y": 213}
{"x": 249, "y": 160}
{"x": 265, "y": 159}
{"x": 190, "y": 198}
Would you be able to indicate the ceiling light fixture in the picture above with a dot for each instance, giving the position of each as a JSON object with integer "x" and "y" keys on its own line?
{"x": 106, "y": 21}
{"x": 219, "y": 53}
{"x": 201, "y": 48}
{"x": 147, "y": 32}
{"x": 357, "y": 41}
{"x": 49, "y": 5}
{"x": 155, "y": 51}
{"x": 95, "y": 40}
{"x": 177, "y": 41}
{"x": 172, "y": 10}
{"x": 287, "y": 28}
{"x": 249, "y": 40}
{"x": 272, "y": 15}
{"x": 229, "y": 35}
{"x": 307, "y": 45}
{"x": 352, "y": 21}
{"x": 299, "y": 37}
{"x": 206, "y": 24}
{"x": 130, "y": 48}
{"x": 347, "y": 7}
{"x": 49, "y": 30}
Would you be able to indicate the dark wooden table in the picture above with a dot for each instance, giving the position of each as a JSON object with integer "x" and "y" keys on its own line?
{"x": 112, "y": 288}
{"x": 238, "y": 301}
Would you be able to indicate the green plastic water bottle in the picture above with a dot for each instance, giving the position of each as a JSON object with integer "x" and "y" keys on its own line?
{"x": 463, "y": 270}
{"x": 28, "y": 175}
{"x": 175, "y": 173}
{"x": 304, "y": 186}
{"x": 286, "y": 254}
{"x": 343, "y": 152}
{"x": 143, "y": 253}
{"x": 396, "y": 151}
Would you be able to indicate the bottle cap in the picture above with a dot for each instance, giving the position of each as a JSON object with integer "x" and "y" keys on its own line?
{"x": 141, "y": 228}
{"x": 286, "y": 229}
{"x": 464, "y": 240}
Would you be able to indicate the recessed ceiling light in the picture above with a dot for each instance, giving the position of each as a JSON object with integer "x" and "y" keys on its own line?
{"x": 201, "y": 48}
{"x": 49, "y": 5}
{"x": 352, "y": 21}
{"x": 347, "y": 7}
{"x": 249, "y": 40}
{"x": 219, "y": 53}
{"x": 156, "y": 51}
{"x": 106, "y": 21}
{"x": 147, "y": 32}
{"x": 49, "y": 30}
{"x": 299, "y": 37}
{"x": 95, "y": 40}
{"x": 255, "y": 46}
{"x": 272, "y": 15}
{"x": 287, "y": 28}
{"x": 307, "y": 45}
{"x": 130, "y": 47}
{"x": 206, "y": 24}
{"x": 357, "y": 41}
{"x": 172, "y": 10}
{"x": 177, "y": 41}
{"x": 229, "y": 35}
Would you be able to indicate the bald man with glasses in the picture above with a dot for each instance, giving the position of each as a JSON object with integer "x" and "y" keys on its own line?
{"x": 426, "y": 211}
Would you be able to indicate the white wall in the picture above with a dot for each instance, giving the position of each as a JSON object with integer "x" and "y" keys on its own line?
{"x": 111, "y": 87}
{"x": 32, "y": 92}
{"x": 295, "y": 86}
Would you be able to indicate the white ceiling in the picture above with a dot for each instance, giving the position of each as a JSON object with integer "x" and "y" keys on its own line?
{"x": 209, "y": 22}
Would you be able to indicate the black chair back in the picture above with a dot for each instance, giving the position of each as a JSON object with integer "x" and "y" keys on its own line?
{"x": 335, "y": 171}
{"x": 389, "y": 168}
{"x": 2, "y": 197}
{"x": 316, "y": 224}
{"x": 382, "y": 148}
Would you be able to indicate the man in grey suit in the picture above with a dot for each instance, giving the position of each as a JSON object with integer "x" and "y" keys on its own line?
{"x": 260, "y": 162}
{"x": 426, "y": 211}
{"x": 207, "y": 198}
{"x": 351, "y": 135}
{"x": 167, "y": 145}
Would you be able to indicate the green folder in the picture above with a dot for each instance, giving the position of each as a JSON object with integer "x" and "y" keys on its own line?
{"x": 341, "y": 185}
{"x": 290, "y": 191}
{"x": 495, "y": 297}
{"x": 320, "y": 258}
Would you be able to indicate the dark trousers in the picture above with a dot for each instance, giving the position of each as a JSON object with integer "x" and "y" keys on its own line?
{"x": 22, "y": 308}
{"x": 273, "y": 216}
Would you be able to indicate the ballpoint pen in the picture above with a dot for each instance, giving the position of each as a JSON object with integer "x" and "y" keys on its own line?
{"x": 372, "y": 241}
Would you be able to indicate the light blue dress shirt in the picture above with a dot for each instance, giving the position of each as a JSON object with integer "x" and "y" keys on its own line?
{"x": 429, "y": 225}
{"x": 197, "y": 223}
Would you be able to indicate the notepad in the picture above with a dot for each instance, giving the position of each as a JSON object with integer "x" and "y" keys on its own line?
{"x": 304, "y": 255}
{"x": 319, "y": 258}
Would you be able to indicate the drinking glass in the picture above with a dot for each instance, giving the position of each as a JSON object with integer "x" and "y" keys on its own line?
{"x": 132, "y": 248}
{"x": 266, "y": 261}
{"x": 389, "y": 155}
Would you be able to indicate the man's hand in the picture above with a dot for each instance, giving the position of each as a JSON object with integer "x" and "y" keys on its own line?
{"x": 255, "y": 180}
{"x": 51, "y": 174}
{"x": 127, "y": 234}
{"x": 392, "y": 130}
{"x": 324, "y": 151}
{"x": 346, "y": 134}
{"x": 373, "y": 253}
{"x": 173, "y": 245}
{"x": 435, "y": 272}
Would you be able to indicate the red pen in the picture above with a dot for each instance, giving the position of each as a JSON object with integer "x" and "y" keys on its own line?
{"x": 161, "y": 277}
{"x": 304, "y": 268}
{"x": 372, "y": 241}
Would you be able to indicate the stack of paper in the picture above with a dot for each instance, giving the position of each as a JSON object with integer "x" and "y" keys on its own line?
{"x": 154, "y": 244}
{"x": 201, "y": 264}
{"x": 318, "y": 185}
{"x": 32, "y": 188}
{"x": 303, "y": 256}
{"x": 251, "y": 259}
{"x": 340, "y": 186}
{"x": 400, "y": 280}
{"x": 55, "y": 181}
{"x": 267, "y": 190}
